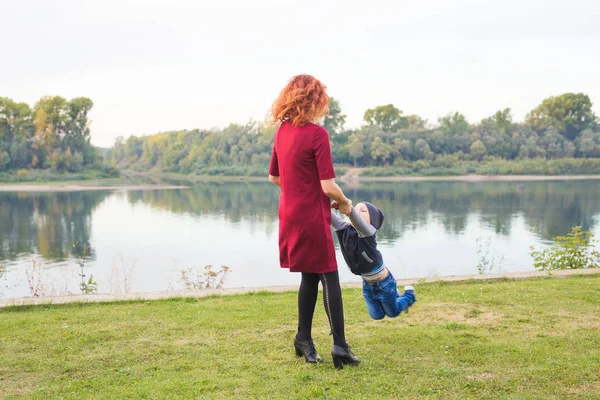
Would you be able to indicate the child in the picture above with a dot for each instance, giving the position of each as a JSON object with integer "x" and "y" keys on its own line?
{"x": 358, "y": 243}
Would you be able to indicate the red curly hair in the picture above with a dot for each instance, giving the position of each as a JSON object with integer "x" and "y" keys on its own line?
{"x": 303, "y": 100}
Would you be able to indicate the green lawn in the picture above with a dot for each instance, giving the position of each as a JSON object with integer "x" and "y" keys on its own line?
{"x": 529, "y": 339}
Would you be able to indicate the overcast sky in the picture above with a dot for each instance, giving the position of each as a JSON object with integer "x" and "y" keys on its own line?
{"x": 152, "y": 65}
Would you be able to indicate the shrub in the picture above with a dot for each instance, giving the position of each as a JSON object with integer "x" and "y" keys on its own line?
{"x": 572, "y": 251}
{"x": 204, "y": 278}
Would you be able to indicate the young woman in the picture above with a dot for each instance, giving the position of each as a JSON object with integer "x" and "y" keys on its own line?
{"x": 301, "y": 165}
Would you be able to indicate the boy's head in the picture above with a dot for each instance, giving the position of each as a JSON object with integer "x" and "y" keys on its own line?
{"x": 370, "y": 214}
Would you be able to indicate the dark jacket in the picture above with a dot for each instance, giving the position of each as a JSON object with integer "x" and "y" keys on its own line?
{"x": 359, "y": 242}
{"x": 360, "y": 253}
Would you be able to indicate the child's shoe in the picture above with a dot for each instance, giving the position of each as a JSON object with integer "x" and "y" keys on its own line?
{"x": 409, "y": 291}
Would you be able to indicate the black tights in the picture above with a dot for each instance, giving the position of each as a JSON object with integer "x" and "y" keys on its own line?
{"x": 332, "y": 300}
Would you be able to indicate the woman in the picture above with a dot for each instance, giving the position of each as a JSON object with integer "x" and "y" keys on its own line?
{"x": 301, "y": 165}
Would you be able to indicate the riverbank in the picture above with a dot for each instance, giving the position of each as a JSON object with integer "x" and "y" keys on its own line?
{"x": 534, "y": 338}
{"x": 353, "y": 175}
{"x": 61, "y": 187}
{"x": 108, "y": 297}
{"x": 35, "y": 176}
{"x": 124, "y": 182}
{"x": 468, "y": 178}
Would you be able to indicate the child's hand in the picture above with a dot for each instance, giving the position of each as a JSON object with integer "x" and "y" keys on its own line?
{"x": 335, "y": 205}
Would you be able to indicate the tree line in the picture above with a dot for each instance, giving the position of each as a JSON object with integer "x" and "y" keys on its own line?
{"x": 54, "y": 134}
{"x": 560, "y": 127}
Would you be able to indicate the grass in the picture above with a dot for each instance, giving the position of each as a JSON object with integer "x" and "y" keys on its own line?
{"x": 530, "y": 339}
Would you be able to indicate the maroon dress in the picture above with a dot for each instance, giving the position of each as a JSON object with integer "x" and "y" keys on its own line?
{"x": 302, "y": 158}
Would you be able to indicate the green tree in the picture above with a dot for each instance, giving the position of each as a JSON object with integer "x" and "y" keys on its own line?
{"x": 4, "y": 160}
{"x": 16, "y": 131}
{"x": 503, "y": 120}
{"x": 478, "y": 150}
{"x": 569, "y": 113}
{"x": 356, "y": 149}
{"x": 334, "y": 121}
{"x": 422, "y": 150}
{"x": 415, "y": 122}
{"x": 117, "y": 152}
{"x": 77, "y": 128}
{"x": 380, "y": 151}
{"x": 588, "y": 144}
{"x": 404, "y": 148}
{"x": 387, "y": 118}
{"x": 454, "y": 124}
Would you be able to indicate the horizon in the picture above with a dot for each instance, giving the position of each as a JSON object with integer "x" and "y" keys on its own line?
{"x": 165, "y": 66}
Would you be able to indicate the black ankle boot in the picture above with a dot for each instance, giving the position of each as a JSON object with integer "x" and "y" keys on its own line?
{"x": 307, "y": 349}
{"x": 343, "y": 355}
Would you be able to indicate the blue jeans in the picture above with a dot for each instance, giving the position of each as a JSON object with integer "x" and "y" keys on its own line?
{"x": 382, "y": 298}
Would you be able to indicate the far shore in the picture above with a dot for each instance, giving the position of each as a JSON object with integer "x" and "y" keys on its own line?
{"x": 45, "y": 187}
{"x": 347, "y": 178}
{"x": 472, "y": 178}
{"x": 352, "y": 176}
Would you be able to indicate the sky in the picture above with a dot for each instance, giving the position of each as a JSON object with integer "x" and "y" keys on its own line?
{"x": 152, "y": 66}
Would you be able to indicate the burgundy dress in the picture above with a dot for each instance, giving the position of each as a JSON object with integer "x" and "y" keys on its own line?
{"x": 302, "y": 158}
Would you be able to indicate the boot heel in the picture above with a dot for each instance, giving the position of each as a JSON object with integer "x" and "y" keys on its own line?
{"x": 307, "y": 350}
{"x": 343, "y": 355}
{"x": 338, "y": 362}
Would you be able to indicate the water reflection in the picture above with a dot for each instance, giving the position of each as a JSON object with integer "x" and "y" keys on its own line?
{"x": 549, "y": 208}
{"x": 201, "y": 225}
{"x": 46, "y": 224}
{"x": 245, "y": 201}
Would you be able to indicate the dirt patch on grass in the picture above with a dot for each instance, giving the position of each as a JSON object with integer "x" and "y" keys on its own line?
{"x": 186, "y": 341}
{"x": 589, "y": 321}
{"x": 585, "y": 388}
{"x": 452, "y": 312}
{"x": 17, "y": 383}
{"x": 483, "y": 375}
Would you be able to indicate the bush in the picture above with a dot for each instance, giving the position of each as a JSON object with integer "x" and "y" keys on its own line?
{"x": 236, "y": 170}
{"x": 4, "y": 159}
{"x": 111, "y": 172}
{"x": 572, "y": 251}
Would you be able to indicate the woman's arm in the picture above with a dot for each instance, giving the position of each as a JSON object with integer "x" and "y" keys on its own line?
{"x": 326, "y": 172}
{"x": 274, "y": 168}
{"x": 274, "y": 180}
{"x": 334, "y": 192}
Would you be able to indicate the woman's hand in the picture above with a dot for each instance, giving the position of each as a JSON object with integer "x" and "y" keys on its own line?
{"x": 333, "y": 191}
{"x": 345, "y": 207}
{"x": 335, "y": 204}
